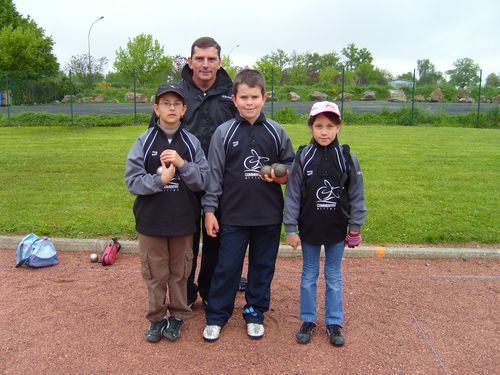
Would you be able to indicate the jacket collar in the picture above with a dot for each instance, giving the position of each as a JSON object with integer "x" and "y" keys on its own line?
{"x": 260, "y": 119}
{"x": 221, "y": 85}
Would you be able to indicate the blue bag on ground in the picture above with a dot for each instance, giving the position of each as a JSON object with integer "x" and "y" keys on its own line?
{"x": 34, "y": 251}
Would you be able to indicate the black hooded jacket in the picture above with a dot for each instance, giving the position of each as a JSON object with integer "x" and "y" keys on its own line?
{"x": 205, "y": 110}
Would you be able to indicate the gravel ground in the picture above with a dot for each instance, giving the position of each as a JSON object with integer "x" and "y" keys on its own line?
{"x": 403, "y": 316}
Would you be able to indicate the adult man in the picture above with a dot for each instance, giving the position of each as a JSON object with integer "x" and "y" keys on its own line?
{"x": 208, "y": 89}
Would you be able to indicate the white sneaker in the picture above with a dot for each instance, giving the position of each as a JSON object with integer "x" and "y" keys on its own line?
{"x": 255, "y": 330}
{"x": 211, "y": 332}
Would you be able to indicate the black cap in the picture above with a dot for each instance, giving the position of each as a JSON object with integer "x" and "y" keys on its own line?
{"x": 170, "y": 87}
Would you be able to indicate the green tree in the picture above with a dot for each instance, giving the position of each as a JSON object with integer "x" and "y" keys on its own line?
{"x": 466, "y": 73}
{"x": 407, "y": 76}
{"x": 9, "y": 16}
{"x": 26, "y": 52}
{"x": 79, "y": 65}
{"x": 144, "y": 57}
{"x": 331, "y": 60}
{"x": 269, "y": 70}
{"x": 328, "y": 76}
{"x": 24, "y": 48}
{"x": 493, "y": 80}
{"x": 427, "y": 74}
{"x": 368, "y": 74}
{"x": 353, "y": 56}
{"x": 228, "y": 66}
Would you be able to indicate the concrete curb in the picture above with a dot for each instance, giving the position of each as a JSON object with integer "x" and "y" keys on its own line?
{"x": 418, "y": 252}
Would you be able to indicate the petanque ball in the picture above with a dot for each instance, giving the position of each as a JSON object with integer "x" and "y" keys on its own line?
{"x": 265, "y": 170}
{"x": 280, "y": 170}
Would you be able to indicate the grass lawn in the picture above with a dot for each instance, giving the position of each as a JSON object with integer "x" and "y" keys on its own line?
{"x": 423, "y": 184}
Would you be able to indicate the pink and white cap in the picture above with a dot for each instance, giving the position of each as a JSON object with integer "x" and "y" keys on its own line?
{"x": 321, "y": 107}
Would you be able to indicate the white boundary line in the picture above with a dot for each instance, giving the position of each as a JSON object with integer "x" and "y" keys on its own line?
{"x": 429, "y": 342}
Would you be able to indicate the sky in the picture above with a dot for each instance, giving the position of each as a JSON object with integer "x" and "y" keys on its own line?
{"x": 396, "y": 32}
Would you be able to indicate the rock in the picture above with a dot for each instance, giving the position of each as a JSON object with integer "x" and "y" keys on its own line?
{"x": 66, "y": 99}
{"x": 368, "y": 95}
{"x": 153, "y": 97}
{"x": 419, "y": 98}
{"x": 99, "y": 98}
{"x": 463, "y": 93}
{"x": 139, "y": 98}
{"x": 436, "y": 96}
{"x": 347, "y": 97}
{"x": 293, "y": 96}
{"x": 397, "y": 96}
{"x": 466, "y": 99}
{"x": 496, "y": 99}
{"x": 318, "y": 96}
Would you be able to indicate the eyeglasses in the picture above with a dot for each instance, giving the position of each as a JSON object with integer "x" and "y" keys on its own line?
{"x": 176, "y": 105}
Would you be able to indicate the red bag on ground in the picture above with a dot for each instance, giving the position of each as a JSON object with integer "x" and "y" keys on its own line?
{"x": 111, "y": 252}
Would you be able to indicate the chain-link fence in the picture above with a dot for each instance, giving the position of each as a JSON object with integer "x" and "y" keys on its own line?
{"x": 76, "y": 95}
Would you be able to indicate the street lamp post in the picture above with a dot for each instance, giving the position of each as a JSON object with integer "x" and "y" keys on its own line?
{"x": 88, "y": 40}
{"x": 231, "y": 50}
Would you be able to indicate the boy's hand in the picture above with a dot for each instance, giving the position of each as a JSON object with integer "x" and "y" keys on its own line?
{"x": 353, "y": 239}
{"x": 172, "y": 157}
{"x": 167, "y": 172}
{"x": 211, "y": 224}
{"x": 293, "y": 240}
{"x": 273, "y": 178}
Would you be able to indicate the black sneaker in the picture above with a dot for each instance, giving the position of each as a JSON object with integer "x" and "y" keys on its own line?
{"x": 173, "y": 330}
{"x": 243, "y": 284}
{"x": 154, "y": 332}
{"x": 336, "y": 337}
{"x": 305, "y": 332}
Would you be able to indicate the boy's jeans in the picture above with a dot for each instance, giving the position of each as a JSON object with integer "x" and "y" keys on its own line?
{"x": 334, "y": 313}
{"x": 263, "y": 242}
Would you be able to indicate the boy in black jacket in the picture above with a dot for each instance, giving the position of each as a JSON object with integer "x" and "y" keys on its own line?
{"x": 251, "y": 207}
{"x": 166, "y": 168}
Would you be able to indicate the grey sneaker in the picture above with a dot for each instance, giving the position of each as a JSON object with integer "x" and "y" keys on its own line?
{"x": 305, "y": 332}
{"x": 211, "y": 332}
{"x": 153, "y": 334}
{"x": 173, "y": 330}
{"x": 336, "y": 337}
{"x": 255, "y": 330}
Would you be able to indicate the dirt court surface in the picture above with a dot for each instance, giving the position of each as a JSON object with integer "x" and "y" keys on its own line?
{"x": 403, "y": 316}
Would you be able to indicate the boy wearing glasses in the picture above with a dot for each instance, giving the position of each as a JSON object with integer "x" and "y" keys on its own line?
{"x": 165, "y": 169}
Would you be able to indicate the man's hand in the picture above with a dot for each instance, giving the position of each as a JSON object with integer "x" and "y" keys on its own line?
{"x": 293, "y": 240}
{"x": 211, "y": 224}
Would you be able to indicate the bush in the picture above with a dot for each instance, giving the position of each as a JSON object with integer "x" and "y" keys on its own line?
{"x": 288, "y": 115}
{"x": 54, "y": 119}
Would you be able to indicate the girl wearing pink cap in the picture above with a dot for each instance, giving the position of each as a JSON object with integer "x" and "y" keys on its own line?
{"x": 324, "y": 205}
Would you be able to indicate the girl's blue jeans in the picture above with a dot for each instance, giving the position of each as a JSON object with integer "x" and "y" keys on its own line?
{"x": 334, "y": 311}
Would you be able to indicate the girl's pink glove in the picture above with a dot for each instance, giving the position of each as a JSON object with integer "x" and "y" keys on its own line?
{"x": 352, "y": 240}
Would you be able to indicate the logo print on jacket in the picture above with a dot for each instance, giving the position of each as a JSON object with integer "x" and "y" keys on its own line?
{"x": 173, "y": 184}
{"x": 253, "y": 163}
{"x": 327, "y": 196}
